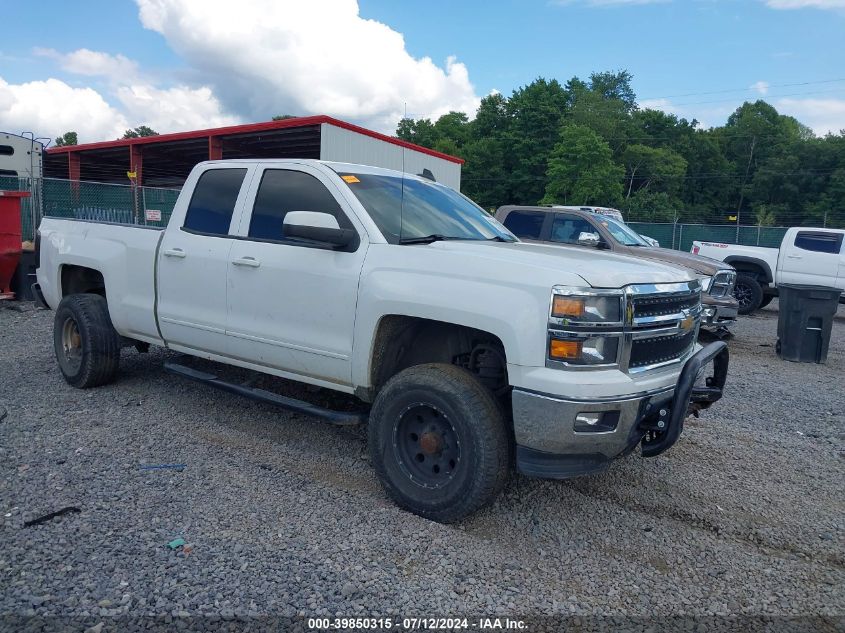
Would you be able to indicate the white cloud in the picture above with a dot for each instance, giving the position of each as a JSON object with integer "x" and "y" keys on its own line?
{"x": 52, "y": 107}
{"x": 805, "y": 4}
{"x": 761, "y": 87}
{"x": 822, "y": 115}
{"x": 92, "y": 63}
{"x": 173, "y": 109}
{"x": 316, "y": 57}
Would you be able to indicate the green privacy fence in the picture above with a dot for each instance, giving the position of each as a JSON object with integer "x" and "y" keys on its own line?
{"x": 53, "y": 197}
{"x": 681, "y": 236}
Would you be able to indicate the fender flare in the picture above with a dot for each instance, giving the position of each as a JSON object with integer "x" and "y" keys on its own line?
{"x": 767, "y": 271}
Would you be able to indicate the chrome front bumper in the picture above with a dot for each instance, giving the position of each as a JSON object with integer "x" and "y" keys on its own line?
{"x": 713, "y": 315}
{"x": 555, "y": 438}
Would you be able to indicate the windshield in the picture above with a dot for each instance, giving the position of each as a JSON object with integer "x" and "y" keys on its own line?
{"x": 419, "y": 209}
{"x": 622, "y": 233}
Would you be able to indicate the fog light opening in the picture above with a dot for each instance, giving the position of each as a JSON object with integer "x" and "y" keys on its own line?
{"x": 596, "y": 421}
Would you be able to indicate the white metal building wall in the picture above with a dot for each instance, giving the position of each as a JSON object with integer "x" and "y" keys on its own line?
{"x": 347, "y": 146}
{"x": 25, "y": 156}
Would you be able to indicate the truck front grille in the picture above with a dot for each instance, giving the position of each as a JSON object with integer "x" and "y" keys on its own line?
{"x": 662, "y": 306}
{"x": 660, "y": 349}
{"x": 663, "y": 324}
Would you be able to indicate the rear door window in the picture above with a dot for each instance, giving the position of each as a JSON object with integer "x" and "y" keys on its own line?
{"x": 525, "y": 224}
{"x": 819, "y": 242}
{"x": 213, "y": 201}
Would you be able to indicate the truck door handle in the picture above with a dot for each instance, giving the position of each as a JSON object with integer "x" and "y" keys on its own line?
{"x": 794, "y": 257}
{"x": 175, "y": 252}
{"x": 247, "y": 261}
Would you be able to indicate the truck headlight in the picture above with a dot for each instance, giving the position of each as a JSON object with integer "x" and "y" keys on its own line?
{"x": 576, "y": 348}
{"x": 583, "y": 309}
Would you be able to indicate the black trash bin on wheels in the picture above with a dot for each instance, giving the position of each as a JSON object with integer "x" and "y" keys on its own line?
{"x": 805, "y": 320}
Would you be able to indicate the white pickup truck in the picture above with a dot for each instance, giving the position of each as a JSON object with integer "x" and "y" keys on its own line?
{"x": 472, "y": 351}
{"x": 808, "y": 256}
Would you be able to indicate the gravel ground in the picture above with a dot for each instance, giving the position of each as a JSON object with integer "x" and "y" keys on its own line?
{"x": 281, "y": 514}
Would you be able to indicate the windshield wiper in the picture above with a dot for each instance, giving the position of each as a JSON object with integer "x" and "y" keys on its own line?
{"x": 428, "y": 239}
{"x": 499, "y": 238}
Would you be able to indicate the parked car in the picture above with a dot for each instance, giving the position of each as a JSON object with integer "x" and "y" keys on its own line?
{"x": 806, "y": 256}
{"x": 616, "y": 214}
{"x": 473, "y": 350}
{"x": 576, "y": 227}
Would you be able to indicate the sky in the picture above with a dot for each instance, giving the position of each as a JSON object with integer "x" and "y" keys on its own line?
{"x": 99, "y": 67}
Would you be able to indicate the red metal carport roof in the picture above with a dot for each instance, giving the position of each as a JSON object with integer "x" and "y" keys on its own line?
{"x": 248, "y": 128}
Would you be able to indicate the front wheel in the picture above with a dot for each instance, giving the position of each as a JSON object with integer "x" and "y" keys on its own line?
{"x": 86, "y": 344}
{"x": 748, "y": 293}
{"x": 438, "y": 442}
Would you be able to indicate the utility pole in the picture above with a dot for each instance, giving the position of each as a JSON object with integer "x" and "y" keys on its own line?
{"x": 742, "y": 187}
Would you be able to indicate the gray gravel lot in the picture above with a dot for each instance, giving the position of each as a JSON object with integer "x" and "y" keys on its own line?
{"x": 282, "y": 514}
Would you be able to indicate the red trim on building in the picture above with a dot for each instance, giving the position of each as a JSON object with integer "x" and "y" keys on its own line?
{"x": 254, "y": 127}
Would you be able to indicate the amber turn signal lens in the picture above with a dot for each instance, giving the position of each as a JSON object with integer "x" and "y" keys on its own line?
{"x": 564, "y": 350}
{"x": 567, "y": 307}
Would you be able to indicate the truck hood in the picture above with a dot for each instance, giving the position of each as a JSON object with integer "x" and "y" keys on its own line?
{"x": 600, "y": 269}
{"x": 697, "y": 263}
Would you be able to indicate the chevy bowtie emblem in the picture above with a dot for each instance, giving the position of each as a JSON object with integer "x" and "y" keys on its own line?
{"x": 687, "y": 322}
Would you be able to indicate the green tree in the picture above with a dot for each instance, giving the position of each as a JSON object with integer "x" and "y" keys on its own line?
{"x": 140, "y": 131}
{"x": 421, "y": 132}
{"x": 485, "y": 178}
{"x": 282, "y": 117}
{"x": 535, "y": 113}
{"x": 615, "y": 86}
{"x": 651, "y": 206}
{"x": 660, "y": 169}
{"x": 68, "y": 138}
{"x": 581, "y": 170}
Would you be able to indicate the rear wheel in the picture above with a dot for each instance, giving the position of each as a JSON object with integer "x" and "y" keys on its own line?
{"x": 86, "y": 344}
{"x": 438, "y": 442}
{"x": 748, "y": 293}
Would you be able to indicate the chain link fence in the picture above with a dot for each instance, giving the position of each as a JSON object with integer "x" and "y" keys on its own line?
{"x": 680, "y": 236}
{"x": 53, "y": 197}
{"x": 152, "y": 206}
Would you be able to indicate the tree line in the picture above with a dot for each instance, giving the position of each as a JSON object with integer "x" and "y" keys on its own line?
{"x": 589, "y": 143}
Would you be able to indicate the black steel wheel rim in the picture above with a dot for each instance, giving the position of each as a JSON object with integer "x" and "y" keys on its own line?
{"x": 71, "y": 345}
{"x": 426, "y": 445}
{"x": 742, "y": 294}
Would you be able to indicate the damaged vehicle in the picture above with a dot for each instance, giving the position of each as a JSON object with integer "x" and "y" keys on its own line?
{"x": 473, "y": 353}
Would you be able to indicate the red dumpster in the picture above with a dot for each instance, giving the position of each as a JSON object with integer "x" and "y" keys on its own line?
{"x": 10, "y": 238}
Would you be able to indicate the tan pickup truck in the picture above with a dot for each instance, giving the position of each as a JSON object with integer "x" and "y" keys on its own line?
{"x": 586, "y": 229}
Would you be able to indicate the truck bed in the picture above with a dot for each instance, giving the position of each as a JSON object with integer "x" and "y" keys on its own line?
{"x": 125, "y": 255}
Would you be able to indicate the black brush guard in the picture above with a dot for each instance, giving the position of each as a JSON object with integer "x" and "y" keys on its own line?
{"x": 664, "y": 427}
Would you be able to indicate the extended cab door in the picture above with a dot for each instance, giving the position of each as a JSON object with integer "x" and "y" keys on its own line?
{"x": 193, "y": 260}
{"x": 291, "y": 303}
{"x": 811, "y": 257}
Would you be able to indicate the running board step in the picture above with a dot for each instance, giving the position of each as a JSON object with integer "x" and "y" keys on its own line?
{"x": 340, "y": 418}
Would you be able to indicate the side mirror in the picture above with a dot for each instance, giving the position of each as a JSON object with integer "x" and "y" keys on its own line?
{"x": 317, "y": 227}
{"x": 589, "y": 239}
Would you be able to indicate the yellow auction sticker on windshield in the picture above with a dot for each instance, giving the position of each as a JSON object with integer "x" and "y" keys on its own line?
{"x": 350, "y": 179}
